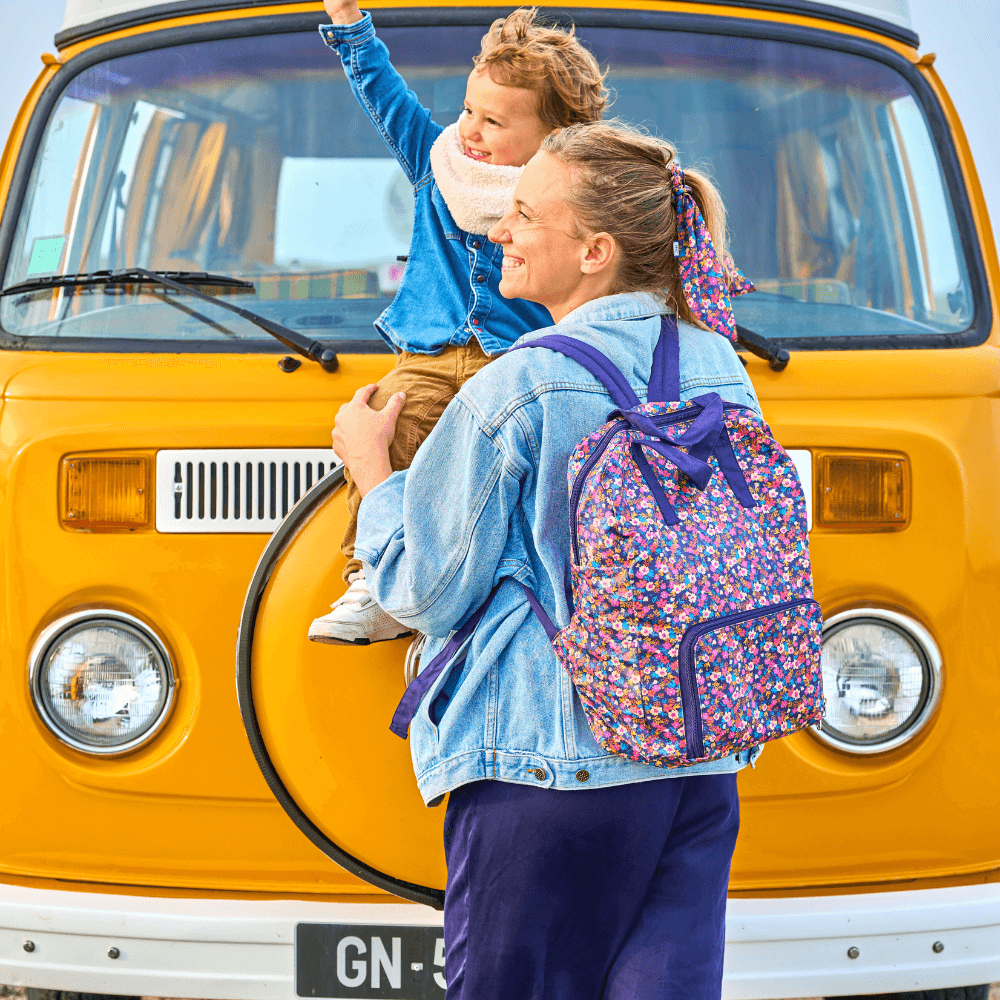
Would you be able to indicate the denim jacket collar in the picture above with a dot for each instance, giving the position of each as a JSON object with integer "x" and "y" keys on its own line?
{"x": 605, "y": 309}
{"x": 621, "y": 305}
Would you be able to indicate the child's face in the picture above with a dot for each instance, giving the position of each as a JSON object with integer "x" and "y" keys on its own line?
{"x": 499, "y": 124}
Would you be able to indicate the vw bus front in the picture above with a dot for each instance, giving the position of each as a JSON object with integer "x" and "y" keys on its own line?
{"x": 156, "y": 447}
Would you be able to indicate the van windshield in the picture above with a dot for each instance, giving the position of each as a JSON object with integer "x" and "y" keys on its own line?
{"x": 250, "y": 157}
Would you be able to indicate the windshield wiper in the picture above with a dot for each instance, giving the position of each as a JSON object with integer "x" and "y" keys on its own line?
{"x": 306, "y": 346}
{"x": 761, "y": 347}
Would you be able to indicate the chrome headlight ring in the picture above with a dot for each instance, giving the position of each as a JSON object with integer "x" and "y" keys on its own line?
{"x": 109, "y": 673}
{"x": 874, "y": 704}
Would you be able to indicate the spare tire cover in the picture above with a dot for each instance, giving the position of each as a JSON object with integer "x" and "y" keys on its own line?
{"x": 318, "y": 715}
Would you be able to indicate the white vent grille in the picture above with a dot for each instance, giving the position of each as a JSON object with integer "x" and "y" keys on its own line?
{"x": 803, "y": 461}
{"x": 234, "y": 490}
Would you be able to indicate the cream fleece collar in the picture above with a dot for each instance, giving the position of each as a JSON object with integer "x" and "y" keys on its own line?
{"x": 477, "y": 194}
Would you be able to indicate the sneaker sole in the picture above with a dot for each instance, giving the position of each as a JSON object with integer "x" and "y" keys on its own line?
{"x": 329, "y": 640}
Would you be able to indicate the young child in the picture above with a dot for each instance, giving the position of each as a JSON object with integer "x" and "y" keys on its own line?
{"x": 448, "y": 319}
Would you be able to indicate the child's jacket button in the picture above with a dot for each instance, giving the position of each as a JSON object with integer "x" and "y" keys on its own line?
{"x": 538, "y": 773}
{"x": 480, "y": 278}
{"x": 583, "y": 775}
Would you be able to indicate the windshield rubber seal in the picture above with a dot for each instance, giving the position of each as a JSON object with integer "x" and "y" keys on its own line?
{"x": 977, "y": 333}
{"x": 187, "y": 8}
{"x": 276, "y": 546}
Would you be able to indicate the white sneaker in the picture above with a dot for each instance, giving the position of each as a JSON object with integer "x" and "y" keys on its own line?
{"x": 356, "y": 619}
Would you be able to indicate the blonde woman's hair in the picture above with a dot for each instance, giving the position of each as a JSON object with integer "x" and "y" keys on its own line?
{"x": 620, "y": 185}
{"x": 519, "y": 52}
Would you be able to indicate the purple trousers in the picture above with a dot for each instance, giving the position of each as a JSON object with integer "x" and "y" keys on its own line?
{"x": 598, "y": 894}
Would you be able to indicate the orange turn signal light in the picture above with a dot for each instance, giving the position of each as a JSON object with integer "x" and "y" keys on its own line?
{"x": 105, "y": 492}
{"x": 862, "y": 490}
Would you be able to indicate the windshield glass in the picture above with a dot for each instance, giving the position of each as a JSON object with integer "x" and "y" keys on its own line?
{"x": 251, "y": 157}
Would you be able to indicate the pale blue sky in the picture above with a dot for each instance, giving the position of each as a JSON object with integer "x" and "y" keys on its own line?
{"x": 965, "y": 34}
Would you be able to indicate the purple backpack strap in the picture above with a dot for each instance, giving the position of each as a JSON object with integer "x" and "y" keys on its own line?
{"x": 410, "y": 702}
{"x": 597, "y": 363}
{"x": 665, "y": 375}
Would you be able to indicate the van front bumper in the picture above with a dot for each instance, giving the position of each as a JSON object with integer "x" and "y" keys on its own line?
{"x": 239, "y": 949}
{"x": 802, "y": 947}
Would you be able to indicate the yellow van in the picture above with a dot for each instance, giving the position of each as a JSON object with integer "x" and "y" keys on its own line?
{"x": 199, "y": 228}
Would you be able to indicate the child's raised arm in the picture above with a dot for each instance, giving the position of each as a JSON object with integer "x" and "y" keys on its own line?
{"x": 405, "y": 124}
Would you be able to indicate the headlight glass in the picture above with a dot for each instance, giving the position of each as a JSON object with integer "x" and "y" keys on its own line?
{"x": 103, "y": 684}
{"x": 878, "y": 679}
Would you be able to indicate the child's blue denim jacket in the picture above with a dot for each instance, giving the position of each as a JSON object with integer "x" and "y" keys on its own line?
{"x": 449, "y": 292}
{"x": 486, "y": 499}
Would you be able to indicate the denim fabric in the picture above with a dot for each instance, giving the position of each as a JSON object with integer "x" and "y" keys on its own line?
{"x": 449, "y": 292}
{"x": 486, "y": 499}
{"x": 608, "y": 894}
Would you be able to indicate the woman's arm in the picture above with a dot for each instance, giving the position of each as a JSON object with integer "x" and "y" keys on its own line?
{"x": 438, "y": 536}
{"x": 404, "y": 123}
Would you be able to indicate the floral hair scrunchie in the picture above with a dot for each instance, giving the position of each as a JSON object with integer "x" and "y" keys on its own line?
{"x": 707, "y": 282}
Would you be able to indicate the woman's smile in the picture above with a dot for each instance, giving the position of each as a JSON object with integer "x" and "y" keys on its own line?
{"x": 567, "y": 268}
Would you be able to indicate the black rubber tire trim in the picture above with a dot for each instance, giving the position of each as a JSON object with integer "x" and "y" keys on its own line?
{"x": 244, "y": 691}
{"x": 185, "y": 8}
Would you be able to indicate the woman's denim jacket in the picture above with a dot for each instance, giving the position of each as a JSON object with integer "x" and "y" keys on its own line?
{"x": 487, "y": 499}
{"x": 449, "y": 292}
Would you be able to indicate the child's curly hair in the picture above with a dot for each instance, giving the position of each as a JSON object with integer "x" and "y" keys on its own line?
{"x": 520, "y": 52}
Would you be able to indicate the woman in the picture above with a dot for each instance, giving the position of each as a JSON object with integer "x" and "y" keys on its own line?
{"x": 572, "y": 873}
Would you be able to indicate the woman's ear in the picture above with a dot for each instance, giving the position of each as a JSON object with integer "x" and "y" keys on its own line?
{"x": 600, "y": 253}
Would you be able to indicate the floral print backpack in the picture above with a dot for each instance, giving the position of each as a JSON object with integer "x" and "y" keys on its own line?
{"x": 694, "y": 633}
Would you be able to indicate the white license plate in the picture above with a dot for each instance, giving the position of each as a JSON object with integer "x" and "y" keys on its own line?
{"x": 369, "y": 961}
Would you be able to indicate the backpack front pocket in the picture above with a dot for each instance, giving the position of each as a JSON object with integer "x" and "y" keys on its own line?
{"x": 750, "y": 677}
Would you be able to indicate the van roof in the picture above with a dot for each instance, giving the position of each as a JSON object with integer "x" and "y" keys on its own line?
{"x": 87, "y": 18}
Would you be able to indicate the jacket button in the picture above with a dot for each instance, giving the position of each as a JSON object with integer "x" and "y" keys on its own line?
{"x": 480, "y": 278}
{"x": 476, "y": 245}
{"x": 538, "y": 773}
{"x": 583, "y": 775}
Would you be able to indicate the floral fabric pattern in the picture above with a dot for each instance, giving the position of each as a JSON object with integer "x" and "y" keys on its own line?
{"x": 720, "y": 603}
{"x": 708, "y": 282}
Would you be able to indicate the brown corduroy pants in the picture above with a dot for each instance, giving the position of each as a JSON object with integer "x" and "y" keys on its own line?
{"x": 430, "y": 382}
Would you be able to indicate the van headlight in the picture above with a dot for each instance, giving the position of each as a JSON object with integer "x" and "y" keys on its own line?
{"x": 881, "y": 680}
{"x": 101, "y": 681}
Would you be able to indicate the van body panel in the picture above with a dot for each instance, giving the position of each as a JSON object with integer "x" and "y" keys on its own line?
{"x": 62, "y": 570}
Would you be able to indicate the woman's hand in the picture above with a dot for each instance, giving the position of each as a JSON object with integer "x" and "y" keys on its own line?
{"x": 361, "y": 437}
{"x": 342, "y": 11}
